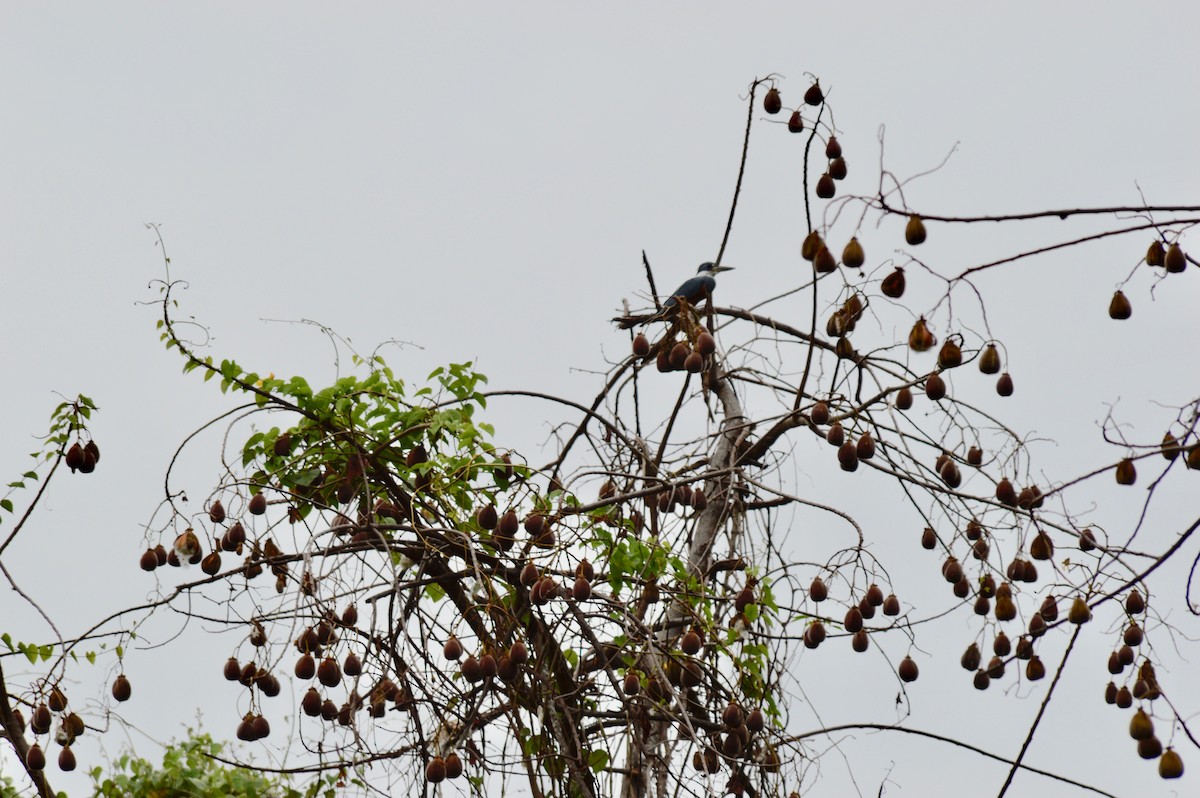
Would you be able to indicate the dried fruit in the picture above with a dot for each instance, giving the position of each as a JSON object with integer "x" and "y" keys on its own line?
{"x": 149, "y": 560}
{"x": 454, "y": 765}
{"x": 329, "y": 673}
{"x": 1140, "y": 725}
{"x": 814, "y": 95}
{"x": 920, "y": 339}
{"x": 914, "y": 231}
{"x": 1170, "y": 766}
{"x": 216, "y": 512}
{"x": 1005, "y": 493}
{"x": 824, "y": 260}
{"x": 691, "y": 643}
{"x": 893, "y": 285}
{"x": 819, "y": 413}
{"x": 817, "y": 591}
{"x": 1087, "y": 540}
{"x": 1119, "y": 307}
{"x": 1134, "y": 603}
{"x": 866, "y": 446}
{"x": 928, "y": 538}
{"x": 853, "y": 255}
{"x": 1035, "y": 669}
{"x": 1155, "y": 253}
{"x": 908, "y": 671}
{"x": 1174, "y": 260}
{"x": 811, "y": 245}
{"x": 1133, "y": 635}
{"x": 1004, "y": 385}
{"x": 1124, "y": 698}
{"x": 435, "y": 771}
{"x": 952, "y": 570}
{"x": 837, "y": 168}
{"x": 904, "y": 399}
{"x": 35, "y": 758}
{"x": 989, "y": 360}
{"x": 874, "y": 595}
{"x": 705, "y": 343}
{"x": 935, "y": 387}
{"x": 772, "y": 104}
{"x": 848, "y": 456}
{"x": 854, "y": 620}
{"x": 1001, "y": 646}
{"x": 795, "y": 122}
{"x": 1079, "y": 612}
{"x": 1126, "y": 472}
{"x": 835, "y": 435}
{"x": 825, "y": 186}
{"x": 860, "y": 640}
{"x": 982, "y": 680}
{"x": 1042, "y": 548}
{"x": 121, "y": 689}
{"x": 679, "y": 354}
{"x": 211, "y": 563}
{"x": 971, "y": 658}
{"x": 950, "y": 355}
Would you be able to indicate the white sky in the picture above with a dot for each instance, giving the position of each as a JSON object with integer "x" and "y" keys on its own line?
{"x": 480, "y": 180}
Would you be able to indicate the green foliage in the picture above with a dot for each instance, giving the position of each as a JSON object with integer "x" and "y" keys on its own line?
{"x": 67, "y": 420}
{"x": 189, "y": 769}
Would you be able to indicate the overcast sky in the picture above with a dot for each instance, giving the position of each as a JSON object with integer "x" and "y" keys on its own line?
{"x": 479, "y": 181}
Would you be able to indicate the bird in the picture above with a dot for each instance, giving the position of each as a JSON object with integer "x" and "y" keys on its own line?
{"x": 694, "y": 290}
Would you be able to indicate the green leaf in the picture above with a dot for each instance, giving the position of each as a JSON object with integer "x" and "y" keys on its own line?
{"x": 598, "y": 760}
{"x": 46, "y": 651}
{"x": 6, "y": 504}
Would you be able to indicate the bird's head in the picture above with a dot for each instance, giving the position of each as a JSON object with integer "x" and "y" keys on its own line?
{"x": 710, "y": 269}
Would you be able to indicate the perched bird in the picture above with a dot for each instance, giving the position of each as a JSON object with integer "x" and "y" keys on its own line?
{"x": 694, "y": 290}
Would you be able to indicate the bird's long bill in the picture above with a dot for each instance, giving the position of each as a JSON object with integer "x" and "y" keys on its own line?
{"x": 717, "y": 269}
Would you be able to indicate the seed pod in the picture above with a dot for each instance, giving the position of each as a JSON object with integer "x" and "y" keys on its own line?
{"x": 35, "y": 758}
{"x": 795, "y": 122}
{"x": 836, "y": 436}
{"x": 824, "y": 261}
{"x": 982, "y": 606}
{"x": 1035, "y": 669}
{"x": 1134, "y": 603}
{"x": 848, "y": 456}
{"x": 1115, "y": 666}
{"x": 121, "y": 689}
{"x": 1155, "y": 254}
{"x": 582, "y": 589}
{"x": 149, "y": 560}
{"x": 329, "y": 673}
{"x": 928, "y": 538}
{"x": 679, "y": 355}
{"x": 1124, "y": 698}
{"x": 1170, "y": 766}
{"x": 907, "y": 670}
{"x": 952, "y": 570}
{"x": 950, "y": 355}
{"x": 1004, "y": 385}
{"x": 874, "y": 595}
{"x": 216, "y": 512}
{"x": 1140, "y": 725}
{"x": 893, "y": 285}
{"x": 1024, "y": 647}
{"x": 982, "y": 680}
{"x": 995, "y": 668}
{"x": 903, "y": 399}
{"x": 1005, "y": 493}
{"x": 817, "y": 591}
{"x": 854, "y": 619}
{"x": 950, "y": 474}
{"x": 866, "y": 446}
{"x": 814, "y": 95}
{"x": 663, "y": 361}
{"x": 705, "y": 343}
{"x": 914, "y": 231}
{"x": 1133, "y": 634}
{"x": 75, "y": 457}
{"x": 825, "y": 186}
{"x": 1126, "y": 472}
{"x": 1174, "y": 260}
{"x": 1042, "y": 548}
{"x": 1120, "y": 308}
{"x": 39, "y": 721}
{"x": 1079, "y": 612}
{"x": 819, "y": 413}
{"x": 971, "y": 658}
{"x": 1125, "y": 655}
{"x": 56, "y": 700}
{"x": 641, "y": 345}
{"x": 920, "y": 339}
{"x": 211, "y": 563}
{"x": 837, "y": 168}
{"x": 694, "y": 363}
{"x": 989, "y": 360}
{"x": 853, "y": 255}
{"x": 772, "y": 104}
{"x": 935, "y": 387}
{"x": 812, "y": 244}
{"x": 1001, "y": 646}
{"x": 435, "y": 771}
{"x": 859, "y": 640}
{"x": 833, "y": 148}
{"x": 814, "y": 635}
{"x": 1006, "y": 608}
{"x": 866, "y": 609}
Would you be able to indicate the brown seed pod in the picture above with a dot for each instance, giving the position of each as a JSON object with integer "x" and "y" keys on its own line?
{"x": 679, "y": 354}
{"x": 826, "y": 187}
{"x": 859, "y": 640}
{"x": 904, "y": 399}
{"x": 817, "y": 591}
{"x": 952, "y": 570}
{"x": 1133, "y": 634}
{"x": 989, "y": 360}
{"x": 935, "y": 387}
{"x": 1170, "y": 446}
{"x": 121, "y": 689}
{"x": 75, "y": 457}
{"x": 1170, "y": 765}
{"x": 1042, "y": 548}
{"x": 920, "y": 339}
{"x": 837, "y": 168}
{"x": 833, "y": 148}
{"x": 691, "y": 643}
{"x": 1024, "y": 647}
{"x": 874, "y": 595}
{"x": 995, "y": 668}
{"x": 1140, "y": 725}
{"x": 663, "y": 361}
{"x": 772, "y": 104}
{"x": 582, "y": 589}
{"x": 975, "y": 456}
{"x": 824, "y": 261}
{"x": 694, "y": 363}
{"x": 1120, "y": 307}
{"x": 733, "y": 716}
{"x": 982, "y": 606}
{"x": 216, "y": 512}
{"x": 1035, "y": 669}
{"x": 893, "y": 285}
{"x": 836, "y": 436}
{"x": 352, "y": 666}
{"x": 435, "y": 771}
{"x": 914, "y": 231}
{"x": 705, "y": 343}
{"x": 35, "y": 758}
{"x": 1006, "y": 608}
{"x": 1125, "y": 655}
{"x": 982, "y": 680}
{"x": 641, "y": 345}
{"x": 1174, "y": 260}
{"x": 854, "y": 620}
{"x": 819, "y": 413}
{"x": 848, "y": 456}
{"x": 865, "y": 446}
{"x": 1115, "y": 666}
{"x": 1124, "y": 698}
{"x": 814, "y": 635}
{"x": 1079, "y": 612}
{"x": 795, "y": 122}
{"x": 950, "y": 474}
{"x": 1004, "y": 385}
{"x": 1005, "y": 493}
{"x": 329, "y": 673}
{"x": 56, "y": 700}
{"x": 853, "y": 255}
{"x": 971, "y": 658}
{"x": 1155, "y": 254}
{"x": 40, "y": 719}
{"x": 211, "y": 563}
{"x": 1134, "y": 603}
{"x": 1126, "y": 473}
{"x": 471, "y": 669}
{"x": 928, "y": 538}
{"x": 149, "y": 560}
{"x": 950, "y": 355}
{"x": 866, "y": 608}
{"x": 811, "y": 245}
{"x": 814, "y": 95}
{"x": 908, "y": 670}
{"x": 306, "y": 667}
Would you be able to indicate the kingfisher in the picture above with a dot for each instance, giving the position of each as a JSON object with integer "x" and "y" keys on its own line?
{"x": 695, "y": 290}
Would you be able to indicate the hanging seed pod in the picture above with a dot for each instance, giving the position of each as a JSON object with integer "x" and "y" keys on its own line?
{"x": 329, "y": 673}
{"x": 854, "y": 620}
{"x": 950, "y": 355}
{"x": 824, "y": 261}
{"x": 35, "y": 758}
{"x": 691, "y": 643}
{"x": 40, "y": 720}
{"x": 149, "y": 560}
{"x": 121, "y": 689}
{"x": 1140, "y": 725}
{"x": 56, "y": 700}
{"x": 216, "y": 512}
{"x": 1004, "y": 385}
{"x": 705, "y": 343}
{"x": 211, "y": 564}
{"x": 920, "y": 339}
{"x": 837, "y": 168}
{"x": 928, "y": 538}
{"x": 848, "y": 456}
{"x": 795, "y": 122}
{"x": 1170, "y": 766}
{"x": 694, "y": 363}
{"x": 893, "y": 286}
{"x": 995, "y": 668}
{"x": 814, "y": 95}
{"x": 952, "y": 570}
{"x": 1024, "y": 647}
{"x": 679, "y": 355}
{"x": 1126, "y": 473}
{"x": 819, "y": 413}
{"x": 1155, "y": 254}
{"x": 1035, "y": 669}
{"x": 860, "y": 640}
{"x": 1042, "y": 548}
{"x": 1124, "y": 698}
{"x": 904, "y": 399}
{"x": 982, "y": 680}
{"x": 812, "y": 244}
{"x": 866, "y": 446}
{"x": 971, "y": 658}
{"x": 1170, "y": 447}
{"x": 1115, "y": 666}
{"x": 1174, "y": 260}
{"x": 641, "y": 345}
{"x": 772, "y": 103}
{"x": 1120, "y": 308}
{"x": 1049, "y": 609}
{"x": 914, "y": 231}
{"x": 891, "y": 605}
{"x": 1125, "y": 655}
{"x": 1133, "y": 635}
{"x": 835, "y": 435}
{"x": 989, "y": 360}
{"x": 1079, "y": 612}
{"x": 1005, "y": 493}
{"x": 663, "y": 361}
{"x": 75, "y": 457}
{"x": 866, "y": 608}
{"x": 853, "y": 255}
{"x": 874, "y": 595}
{"x": 935, "y": 387}
{"x": 907, "y": 670}
{"x": 1006, "y": 608}
{"x": 817, "y": 591}
{"x": 435, "y": 771}
{"x": 1134, "y": 603}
